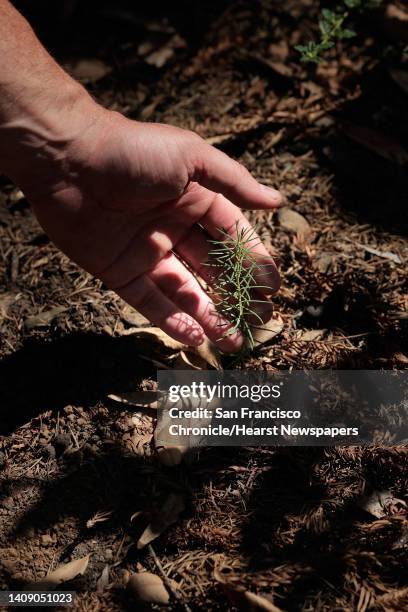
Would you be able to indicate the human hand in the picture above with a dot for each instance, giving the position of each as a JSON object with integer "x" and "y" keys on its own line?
{"x": 134, "y": 204}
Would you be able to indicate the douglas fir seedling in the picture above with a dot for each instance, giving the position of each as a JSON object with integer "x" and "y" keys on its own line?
{"x": 235, "y": 280}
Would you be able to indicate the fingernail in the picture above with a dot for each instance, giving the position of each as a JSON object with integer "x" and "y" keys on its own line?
{"x": 273, "y": 193}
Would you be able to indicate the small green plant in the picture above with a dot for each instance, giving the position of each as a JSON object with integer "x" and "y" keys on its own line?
{"x": 235, "y": 280}
{"x": 332, "y": 28}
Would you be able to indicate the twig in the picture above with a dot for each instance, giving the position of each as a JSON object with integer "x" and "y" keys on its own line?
{"x": 167, "y": 581}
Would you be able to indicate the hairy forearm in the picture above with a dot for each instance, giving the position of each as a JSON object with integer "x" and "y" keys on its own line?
{"x": 37, "y": 98}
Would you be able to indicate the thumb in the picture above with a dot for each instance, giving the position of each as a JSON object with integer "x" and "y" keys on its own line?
{"x": 218, "y": 172}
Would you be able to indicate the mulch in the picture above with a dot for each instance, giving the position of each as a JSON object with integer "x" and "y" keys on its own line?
{"x": 77, "y": 463}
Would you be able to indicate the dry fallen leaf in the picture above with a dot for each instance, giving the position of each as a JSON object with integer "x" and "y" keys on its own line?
{"x": 293, "y": 221}
{"x": 384, "y": 254}
{"x": 208, "y": 351}
{"x": 378, "y": 502}
{"x": 269, "y": 330}
{"x": 132, "y": 316}
{"x": 310, "y": 335}
{"x": 138, "y": 442}
{"x": 103, "y": 580}
{"x": 42, "y": 319}
{"x": 156, "y": 335}
{"x": 377, "y": 142}
{"x": 189, "y": 361}
{"x": 63, "y": 573}
{"x": 401, "y": 358}
{"x": 247, "y": 601}
{"x": 148, "y": 588}
{"x": 169, "y": 514}
{"x": 198, "y": 358}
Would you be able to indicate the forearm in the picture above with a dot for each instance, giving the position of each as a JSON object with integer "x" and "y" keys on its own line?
{"x": 37, "y": 98}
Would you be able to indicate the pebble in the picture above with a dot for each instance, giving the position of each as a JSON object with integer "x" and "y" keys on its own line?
{"x": 46, "y": 539}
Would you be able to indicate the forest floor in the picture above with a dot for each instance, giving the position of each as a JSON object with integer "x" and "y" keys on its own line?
{"x": 79, "y": 473}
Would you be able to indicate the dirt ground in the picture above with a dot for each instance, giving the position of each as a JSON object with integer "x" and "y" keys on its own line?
{"x": 79, "y": 474}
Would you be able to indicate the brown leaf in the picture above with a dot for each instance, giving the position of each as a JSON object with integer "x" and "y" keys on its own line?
{"x": 189, "y": 361}
{"x": 44, "y": 318}
{"x": 63, "y": 573}
{"x": 269, "y": 330}
{"x": 148, "y": 588}
{"x": 208, "y": 351}
{"x": 169, "y": 514}
{"x": 382, "y": 144}
{"x": 384, "y": 254}
{"x": 103, "y": 580}
{"x": 132, "y": 316}
{"x": 310, "y": 335}
{"x": 156, "y": 336}
{"x": 247, "y": 601}
{"x": 293, "y": 221}
{"x": 199, "y": 357}
{"x": 378, "y": 502}
{"x": 401, "y": 358}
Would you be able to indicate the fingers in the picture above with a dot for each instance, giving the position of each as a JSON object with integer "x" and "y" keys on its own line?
{"x": 218, "y": 172}
{"x": 221, "y": 213}
{"x": 143, "y": 294}
{"x": 179, "y": 285}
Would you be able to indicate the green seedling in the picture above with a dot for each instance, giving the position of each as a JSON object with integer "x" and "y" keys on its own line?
{"x": 236, "y": 267}
{"x": 332, "y": 28}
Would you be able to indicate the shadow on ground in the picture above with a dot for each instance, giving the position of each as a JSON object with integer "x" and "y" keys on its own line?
{"x": 81, "y": 369}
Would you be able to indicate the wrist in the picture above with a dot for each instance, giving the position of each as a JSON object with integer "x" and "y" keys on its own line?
{"x": 37, "y": 132}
